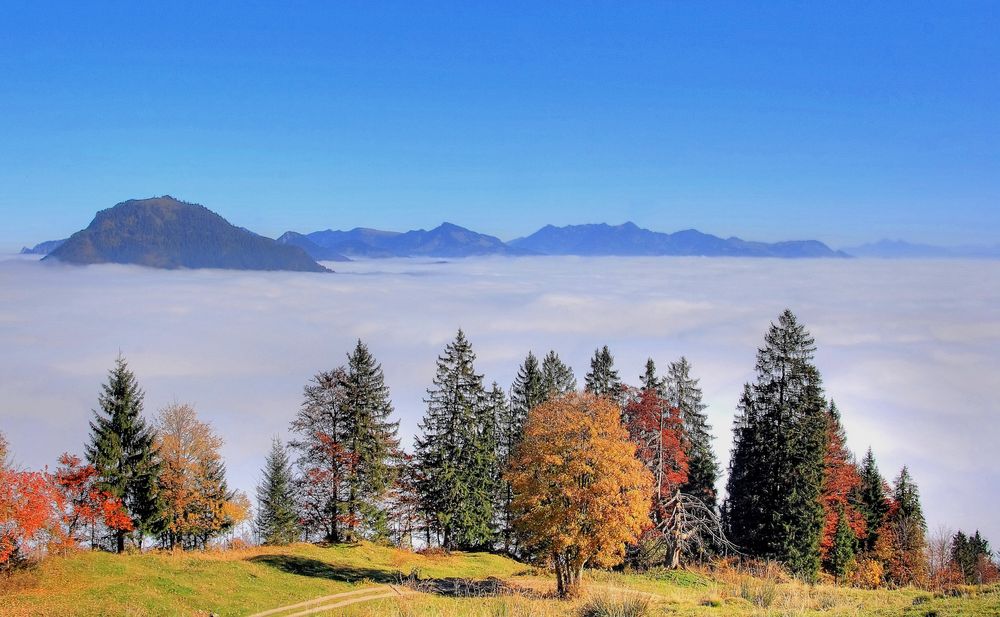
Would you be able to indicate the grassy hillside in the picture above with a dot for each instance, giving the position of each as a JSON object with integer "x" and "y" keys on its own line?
{"x": 260, "y": 579}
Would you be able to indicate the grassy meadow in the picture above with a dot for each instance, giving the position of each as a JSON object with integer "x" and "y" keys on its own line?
{"x": 245, "y": 582}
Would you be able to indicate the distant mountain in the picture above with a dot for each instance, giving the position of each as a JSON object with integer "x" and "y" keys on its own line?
{"x": 445, "y": 240}
{"x": 317, "y": 252}
{"x": 630, "y": 239}
{"x": 899, "y": 249}
{"x": 43, "y": 248}
{"x": 163, "y": 232}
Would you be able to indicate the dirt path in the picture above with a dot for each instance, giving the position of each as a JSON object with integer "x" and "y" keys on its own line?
{"x": 337, "y": 600}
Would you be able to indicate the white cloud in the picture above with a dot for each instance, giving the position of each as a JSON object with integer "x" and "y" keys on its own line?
{"x": 907, "y": 348}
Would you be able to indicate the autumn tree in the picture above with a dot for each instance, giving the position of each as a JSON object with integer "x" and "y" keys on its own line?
{"x": 557, "y": 376}
{"x": 773, "y": 509}
{"x": 603, "y": 379}
{"x": 276, "y": 522}
{"x": 841, "y": 482}
{"x": 580, "y": 492}
{"x": 196, "y": 500}
{"x": 456, "y": 452}
{"x": 26, "y": 510}
{"x": 122, "y": 451}
{"x": 871, "y": 499}
{"x": 901, "y": 539}
{"x": 683, "y": 392}
{"x": 82, "y": 507}
{"x": 324, "y": 459}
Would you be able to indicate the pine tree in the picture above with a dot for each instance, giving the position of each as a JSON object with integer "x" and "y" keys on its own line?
{"x": 277, "y": 521}
{"x": 649, "y": 379}
{"x": 451, "y": 452}
{"x": 841, "y": 553}
{"x": 371, "y": 439}
{"x": 527, "y": 393}
{"x": 776, "y": 469}
{"x": 603, "y": 379}
{"x": 557, "y": 377}
{"x": 684, "y": 393}
{"x": 871, "y": 499}
{"x": 122, "y": 451}
{"x": 901, "y": 542}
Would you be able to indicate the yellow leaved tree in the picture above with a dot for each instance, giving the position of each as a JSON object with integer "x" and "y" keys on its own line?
{"x": 580, "y": 494}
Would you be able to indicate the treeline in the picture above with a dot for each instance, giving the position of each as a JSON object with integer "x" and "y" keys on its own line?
{"x": 538, "y": 471}
{"x": 165, "y": 481}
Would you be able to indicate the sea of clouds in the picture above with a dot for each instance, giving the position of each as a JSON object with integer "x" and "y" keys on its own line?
{"x": 909, "y": 350}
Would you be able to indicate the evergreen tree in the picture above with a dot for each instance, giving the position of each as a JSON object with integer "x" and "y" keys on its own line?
{"x": 371, "y": 439}
{"x": 684, "y": 393}
{"x": 776, "y": 469}
{"x": 967, "y": 553}
{"x": 557, "y": 377}
{"x": 451, "y": 452}
{"x": 871, "y": 499}
{"x": 603, "y": 379}
{"x": 841, "y": 554}
{"x": 649, "y": 379}
{"x": 122, "y": 451}
{"x": 527, "y": 392}
{"x": 277, "y": 521}
{"x": 902, "y": 542}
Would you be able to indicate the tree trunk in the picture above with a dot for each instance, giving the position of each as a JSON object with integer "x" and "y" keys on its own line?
{"x": 120, "y": 541}
{"x": 568, "y": 576}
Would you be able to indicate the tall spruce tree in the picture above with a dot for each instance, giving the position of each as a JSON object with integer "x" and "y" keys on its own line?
{"x": 451, "y": 452}
{"x": 277, "y": 521}
{"x": 871, "y": 499}
{"x": 122, "y": 451}
{"x": 776, "y": 469}
{"x": 684, "y": 393}
{"x": 557, "y": 377}
{"x": 649, "y": 379}
{"x": 526, "y": 393}
{"x": 603, "y": 379}
{"x": 841, "y": 554}
{"x": 371, "y": 438}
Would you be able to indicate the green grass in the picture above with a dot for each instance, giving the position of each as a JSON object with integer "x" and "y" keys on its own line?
{"x": 237, "y": 583}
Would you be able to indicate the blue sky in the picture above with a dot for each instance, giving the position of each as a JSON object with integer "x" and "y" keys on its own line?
{"x": 840, "y": 121}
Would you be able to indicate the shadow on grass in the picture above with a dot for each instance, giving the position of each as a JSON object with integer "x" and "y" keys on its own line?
{"x": 452, "y": 587}
{"x": 303, "y": 566}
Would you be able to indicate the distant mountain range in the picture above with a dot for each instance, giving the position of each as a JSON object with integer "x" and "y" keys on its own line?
{"x": 166, "y": 233}
{"x": 445, "y": 240}
{"x": 163, "y": 232}
{"x": 898, "y": 249}
{"x": 630, "y": 239}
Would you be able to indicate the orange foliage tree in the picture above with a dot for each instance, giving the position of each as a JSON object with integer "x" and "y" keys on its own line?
{"x": 580, "y": 494}
{"x": 26, "y": 507}
{"x": 840, "y": 481}
{"x": 81, "y": 506}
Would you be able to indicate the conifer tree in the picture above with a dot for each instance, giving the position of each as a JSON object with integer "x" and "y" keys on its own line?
{"x": 277, "y": 521}
{"x": 841, "y": 482}
{"x": 684, "y": 393}
{"x": 527, "y": 392}
{"x": 776, "y": 469}
{"x": 871, "y": 499}
{"x": 901, "y": 542}
{"x": 122, "y": 451}
{"x": 557, "y": 377}
{"x": 371, "y": 439}
{"x": 603, "y": 379}
{"x": 451, "y": 452}
{"x": 841, "y": 553}
{"x": 649, "y": 379}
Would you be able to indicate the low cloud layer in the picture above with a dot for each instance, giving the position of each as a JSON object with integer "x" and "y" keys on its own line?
{"x": 909, "y": 350}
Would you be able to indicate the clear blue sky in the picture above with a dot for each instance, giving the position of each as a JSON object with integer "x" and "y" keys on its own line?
{"x": 840, "y": 121}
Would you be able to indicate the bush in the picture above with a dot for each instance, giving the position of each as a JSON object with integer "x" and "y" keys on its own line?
{"x": 603, "y": 606}
{"x": 867, "y": 574}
